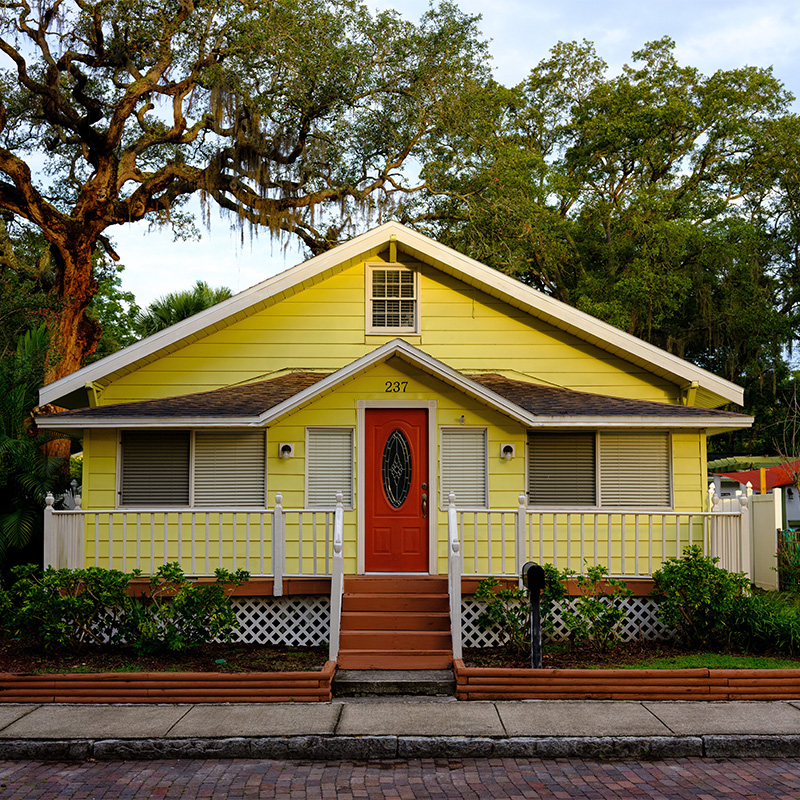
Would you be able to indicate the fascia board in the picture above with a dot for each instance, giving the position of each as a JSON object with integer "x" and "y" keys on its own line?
{"x": 640, "y": 422}
{"x": 146, "y": 422}
{"x": 199, "y": 322}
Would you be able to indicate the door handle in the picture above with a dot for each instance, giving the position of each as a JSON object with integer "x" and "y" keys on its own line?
{"x": 424, "y": 506}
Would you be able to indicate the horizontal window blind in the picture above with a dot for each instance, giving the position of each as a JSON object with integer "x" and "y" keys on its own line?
{"x": 463, "y": 467}
{"x": 635, "y": 469}
{"x": 155, "y": 468}
{"x": 229, "y": 468}
{"x": 561, "y": 469}
{"x": 329, "y": 466}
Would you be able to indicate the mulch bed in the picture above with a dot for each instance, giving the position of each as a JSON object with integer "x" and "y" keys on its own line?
{"x": 565, "y": 657}
{"x": 24, "y": 657}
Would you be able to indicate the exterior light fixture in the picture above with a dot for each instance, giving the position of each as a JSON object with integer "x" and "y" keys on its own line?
{"x": 285, "y": 450}
{"x": 507, "y": 451}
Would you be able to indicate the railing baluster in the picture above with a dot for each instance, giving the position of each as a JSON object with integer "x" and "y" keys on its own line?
{"x": 622, "y": 540}
{"x": 194, "y": 539}
{"x": 111, "y": 541}
{"x": 138, "y": 540}
{"x": 636, "y": 544}
{"x": 208, "y": 541}
{"x": 219, "y": 540}
{"x": 97, "y": 540}
{"x": 247, "y": 542}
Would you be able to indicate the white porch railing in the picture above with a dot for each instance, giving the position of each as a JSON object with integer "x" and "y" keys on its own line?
{"x": 337, "y": 579}
{"x": 275, "y": 542}
{"x": 454, "y": 575}
{"x": 631, "y": 544}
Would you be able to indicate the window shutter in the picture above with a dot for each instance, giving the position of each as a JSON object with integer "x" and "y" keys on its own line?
{"x": 635, "y": 469}
{"x": 463, "y": 467}
{"x": 561, "y": 469}
{"x": 329, "y": 466}
{"x": 155, "y": 468}
{"x": 229, "y": 468}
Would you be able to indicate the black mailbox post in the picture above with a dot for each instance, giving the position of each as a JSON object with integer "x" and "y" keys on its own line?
{"x": 533, "y": 578}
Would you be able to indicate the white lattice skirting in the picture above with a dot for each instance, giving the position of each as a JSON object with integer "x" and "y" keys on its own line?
{"x": 641, "y": 623}
{"x": 300, "y": 621}
{"x": 304, "y": 621}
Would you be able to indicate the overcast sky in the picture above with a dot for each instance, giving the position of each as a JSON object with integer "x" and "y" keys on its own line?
{"x": 709, "y": 35}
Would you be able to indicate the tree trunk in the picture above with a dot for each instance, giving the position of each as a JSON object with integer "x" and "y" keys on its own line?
{"x": 74, "y": 335}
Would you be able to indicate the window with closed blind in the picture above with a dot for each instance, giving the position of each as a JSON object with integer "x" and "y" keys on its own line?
{"x": 211, "y": 469}
{"x": 329, "y": 466}
{"x": 599, "y": 469}
{"x": 463, "y": 467}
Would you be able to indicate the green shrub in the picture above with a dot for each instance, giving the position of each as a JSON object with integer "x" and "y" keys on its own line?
{"x": 507, "y": 610}
{"x": 72, "y": 607}
{"x": 765, "y": 623}
{"x": 698, "y": 598}
{"x": 180, "y": 613}
{"x": 596, "y": 614}
{"x": 789, "y": 560}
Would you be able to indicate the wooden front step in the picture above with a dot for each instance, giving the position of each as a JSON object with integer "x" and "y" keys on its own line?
{"x": 395, "y": 622}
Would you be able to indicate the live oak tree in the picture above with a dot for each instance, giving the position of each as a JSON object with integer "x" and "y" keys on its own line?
{"x": 298, "y": 115}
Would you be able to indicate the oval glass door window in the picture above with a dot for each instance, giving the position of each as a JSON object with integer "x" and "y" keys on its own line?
{"x": 396, "y": 468}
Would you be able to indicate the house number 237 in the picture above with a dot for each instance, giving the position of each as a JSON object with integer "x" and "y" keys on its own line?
{"x": 395, "y": 386}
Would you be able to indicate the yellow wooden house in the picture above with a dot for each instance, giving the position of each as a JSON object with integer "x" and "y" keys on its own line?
{"x": 361, "y": 427}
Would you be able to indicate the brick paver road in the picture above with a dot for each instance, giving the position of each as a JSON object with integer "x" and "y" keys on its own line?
{"x": 424, "y": 779}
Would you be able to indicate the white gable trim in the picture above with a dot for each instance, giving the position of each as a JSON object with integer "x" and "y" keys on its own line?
{"x": 421, "y": 360}
{"x": 561, "y": 315}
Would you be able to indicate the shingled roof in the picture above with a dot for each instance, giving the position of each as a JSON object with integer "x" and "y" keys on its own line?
{"x": 247, "y": 402}
{"x": 552, "y": 401}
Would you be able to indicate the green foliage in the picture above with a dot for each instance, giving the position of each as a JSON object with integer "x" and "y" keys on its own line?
{"x": 72, "y": 608}
{"x": 765, "y": 623}
{"x": 698, "y": 598}
{"x": 506, "y": 611}
{"x": 181, "y": 613}
{"x": 113, "y": 308}
{"x": 789, "y": 560}
{"x": 27, "y": 473}
{"x": 177, "y": 306}
{"x": 661, "y": 200}
{"x": 596, "y": 614}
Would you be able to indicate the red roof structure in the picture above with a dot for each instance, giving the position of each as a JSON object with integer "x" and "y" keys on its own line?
{"x": 780, "y": 475}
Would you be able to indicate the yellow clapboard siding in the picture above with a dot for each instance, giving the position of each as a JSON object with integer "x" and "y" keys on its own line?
{"x": 326, "y": 325}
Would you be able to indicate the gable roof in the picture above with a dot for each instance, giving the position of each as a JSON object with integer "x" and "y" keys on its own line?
{"x": 712, "y": 390}
{"x": 260, "y": 403}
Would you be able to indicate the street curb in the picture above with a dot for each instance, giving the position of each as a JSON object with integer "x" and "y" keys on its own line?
{"x": 371, "y": 748}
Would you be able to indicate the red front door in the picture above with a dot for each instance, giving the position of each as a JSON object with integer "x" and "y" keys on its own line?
{"x": 396, "y": 490}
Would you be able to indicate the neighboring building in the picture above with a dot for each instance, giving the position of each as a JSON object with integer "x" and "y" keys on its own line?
{"x": 395, "y": 371}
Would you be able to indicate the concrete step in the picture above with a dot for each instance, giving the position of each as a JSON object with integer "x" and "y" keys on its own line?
{"x": 383, "y": 682}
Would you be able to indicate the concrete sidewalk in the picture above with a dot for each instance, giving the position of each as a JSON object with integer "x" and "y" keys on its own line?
{"x": 368, "y": 728}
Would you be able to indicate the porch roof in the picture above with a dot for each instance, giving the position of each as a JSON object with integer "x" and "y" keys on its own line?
{"x": 261, "y": 402}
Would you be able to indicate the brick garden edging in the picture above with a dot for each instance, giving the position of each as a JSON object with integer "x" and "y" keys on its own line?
{"x": 482, "y": 683}
{"x": 167, "y": 687}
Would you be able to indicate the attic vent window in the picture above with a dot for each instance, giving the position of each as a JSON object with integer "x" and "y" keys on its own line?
{"x": 392, "y": 300}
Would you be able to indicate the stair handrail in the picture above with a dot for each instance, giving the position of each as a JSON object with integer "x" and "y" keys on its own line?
{"x": 337, "y": 578}
{"x": 454, "y": 575}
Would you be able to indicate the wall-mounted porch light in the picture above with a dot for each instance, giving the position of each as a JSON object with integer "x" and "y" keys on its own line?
{"x": 285, "y": 450}
{"x": 507, "y": 451}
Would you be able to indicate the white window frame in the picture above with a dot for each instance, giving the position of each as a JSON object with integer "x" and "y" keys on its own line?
{"x": 373, "y": 330}
{"x": 192, "y": 455}
{"x": 444, "y": 501}
{"x": 332, "y": 505}
{"x": 600, "y": 506}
